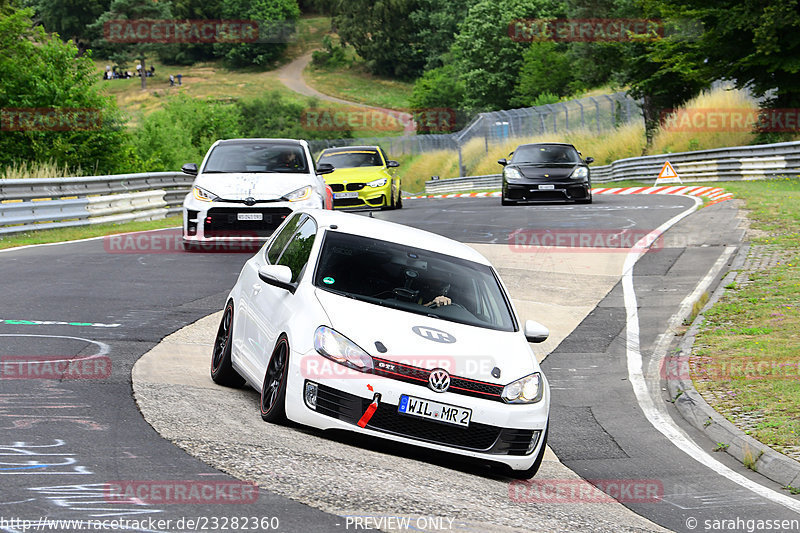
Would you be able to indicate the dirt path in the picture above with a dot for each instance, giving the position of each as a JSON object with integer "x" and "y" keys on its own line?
{"x": 291, "y": 75}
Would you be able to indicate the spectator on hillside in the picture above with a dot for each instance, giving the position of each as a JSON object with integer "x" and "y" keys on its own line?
{"x": 179, "y": 78}
{"x": 171, "y": 80}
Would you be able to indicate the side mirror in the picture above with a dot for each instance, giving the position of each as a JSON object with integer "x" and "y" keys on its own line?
{"x": 278, "y": 276}
{"x": 535, "y": 332}
{"x": 589, "y": 160}
{"x": 189, "y": 168}
{"x": 324, "y": 168}
{"x": 392, "y": 164}
{"x": 503, "y": 161}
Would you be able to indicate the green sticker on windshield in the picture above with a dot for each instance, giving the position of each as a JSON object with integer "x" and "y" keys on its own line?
{"x": 328, "y": 280}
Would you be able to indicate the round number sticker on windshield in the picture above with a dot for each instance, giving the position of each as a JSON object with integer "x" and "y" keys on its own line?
{"x": 328, "y": 280}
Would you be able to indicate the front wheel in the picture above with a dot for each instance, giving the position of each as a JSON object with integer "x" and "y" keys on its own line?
{"x": 399, "y": 204}
{"x": 222, "y": 371}
{"x": 503, "y": 201}
{"x": 273, "y": 391}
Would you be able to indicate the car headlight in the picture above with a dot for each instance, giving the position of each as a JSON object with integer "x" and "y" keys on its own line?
{"x": 525, "y": 390}
{"x": 580, "y": 173}
{"x": 512, "y": 174}
{"x": 377, "y": 183}
{"x": 300, "y": 194}
{"x": 336, "y": 347}
{"x": 203, "y": 195}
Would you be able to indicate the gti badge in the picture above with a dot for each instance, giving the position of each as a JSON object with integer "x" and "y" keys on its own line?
{"x": 439, "y": 380}
{"x": 433, "y": 334}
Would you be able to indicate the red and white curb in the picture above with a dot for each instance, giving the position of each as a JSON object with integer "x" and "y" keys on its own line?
{"x": 716, "y": 194}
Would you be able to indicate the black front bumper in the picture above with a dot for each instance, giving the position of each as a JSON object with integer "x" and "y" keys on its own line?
{"x": 567, "y": 191}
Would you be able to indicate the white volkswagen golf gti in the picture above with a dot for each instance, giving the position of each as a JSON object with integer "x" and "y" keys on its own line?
{"x": 245, "y": 188}
{"x": 353, "y": 323}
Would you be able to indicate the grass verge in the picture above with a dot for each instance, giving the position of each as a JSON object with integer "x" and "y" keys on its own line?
{"x": 746, "y": 361}
{"x": 356, "y": 85}
{"x": 84, "y": 232}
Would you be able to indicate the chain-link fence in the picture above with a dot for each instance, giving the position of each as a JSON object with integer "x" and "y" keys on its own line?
{"x": 596, "y": 113}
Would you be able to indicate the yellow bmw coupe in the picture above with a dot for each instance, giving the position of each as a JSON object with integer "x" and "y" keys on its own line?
{"x": 363, "y": 177}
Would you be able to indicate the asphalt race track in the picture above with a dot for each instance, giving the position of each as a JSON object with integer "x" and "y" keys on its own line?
{"x": 63, "y": 440}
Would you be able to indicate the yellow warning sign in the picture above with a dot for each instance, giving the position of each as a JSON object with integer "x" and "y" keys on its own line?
{"x": 667, "y": 175}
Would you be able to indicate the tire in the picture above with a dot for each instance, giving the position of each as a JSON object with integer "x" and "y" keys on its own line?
{"x": 587, "y": 201}
{"x": 529, "y": 473}
{"x": 503, "y": 201}
{"x": 273, "y": 390}
{"x": 222, "y": 371}
{"x": 189, "y": 247}
{"x": 399, "y": 204}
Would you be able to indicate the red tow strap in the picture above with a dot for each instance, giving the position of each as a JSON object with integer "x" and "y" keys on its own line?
{"x": 370, "y": 411}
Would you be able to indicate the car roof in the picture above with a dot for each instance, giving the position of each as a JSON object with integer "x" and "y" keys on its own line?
{"x": 546, "y": 144}
{"x": 392, "y": 232}
{"x": 346, "y": 148}
{"x": 256, "y": 141}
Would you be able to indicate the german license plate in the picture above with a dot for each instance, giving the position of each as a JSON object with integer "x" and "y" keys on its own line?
{"x": 546, "y": 187}
{"x": 249, "y": 216}
{"x": 440, "y": 412}
{"x": 345, "y": 195}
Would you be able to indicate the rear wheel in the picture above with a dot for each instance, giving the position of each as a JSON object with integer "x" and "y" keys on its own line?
{"x": 273, "y": 391}
{"x": 222, "y": 371}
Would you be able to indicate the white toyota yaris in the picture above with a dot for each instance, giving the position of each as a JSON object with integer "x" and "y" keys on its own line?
{"x": 348, "y": 322}
{"x": 245, "y": 188}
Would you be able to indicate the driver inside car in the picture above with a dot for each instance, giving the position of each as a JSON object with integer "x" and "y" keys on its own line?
{"x": 440, "y": 288}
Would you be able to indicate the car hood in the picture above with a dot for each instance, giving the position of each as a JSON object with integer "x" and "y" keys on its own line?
{"x": 472, "y": 353}
{"x": 356, "y": 175}
{"x": 261, "y": 186}
{"x": 551, "y": 172}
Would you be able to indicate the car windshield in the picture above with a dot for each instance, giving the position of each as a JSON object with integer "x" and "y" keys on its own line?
{"x": 257, "y": 157}
{"x": 546, "y": 154}
{"x": 351, "y": 159}
{"x": 409, "y": 279}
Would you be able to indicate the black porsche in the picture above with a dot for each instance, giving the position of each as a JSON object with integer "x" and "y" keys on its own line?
{"x": 553, "y": 172}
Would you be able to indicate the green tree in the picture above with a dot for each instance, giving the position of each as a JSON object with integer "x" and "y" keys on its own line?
{"x": 754, "y": 43}
{"x": 189, "y": 53}
{"x": 275, "y": 116}
{"x": 69, "y": 18}
{"x": 383, "y": 34}
{"x": 439, "y": 88}
{"x": 546, "y": 68}
{"x": 487, "y": 56}
{"x": 123, "y": 52}
{"x": 39, "y": 72}
{"x": 273, "y": 17}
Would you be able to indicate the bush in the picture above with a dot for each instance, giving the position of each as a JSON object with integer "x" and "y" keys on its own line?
{"x": 182, "y": 132}
{"x": 334, "y": 56}
{"x": 281, "y": 13}
{"x": 275, "y": 116}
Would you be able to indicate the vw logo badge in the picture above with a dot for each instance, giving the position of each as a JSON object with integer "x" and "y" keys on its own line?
{"x": 439, "y": 380}
{"x": 433, "y": 334}
{"x": 249, "y": 201}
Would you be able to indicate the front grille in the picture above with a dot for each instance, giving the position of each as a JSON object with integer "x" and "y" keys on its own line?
{"x": 223, "y": 222}
{"x": 477, "y": 437}
{"x": 337, "y": 187}
{"x": 347, "y": 202}
{"x": 355, "y": 186}
{"x": 419, "y": 376}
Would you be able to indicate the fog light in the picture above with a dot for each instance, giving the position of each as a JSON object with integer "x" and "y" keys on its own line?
{"x": 311, "y": 395}
{"x": 534, "y": 440}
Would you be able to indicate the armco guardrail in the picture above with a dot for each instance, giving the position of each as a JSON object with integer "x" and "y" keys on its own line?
{"x": 46, "y": 203}
{"x": 719, "y": 164}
